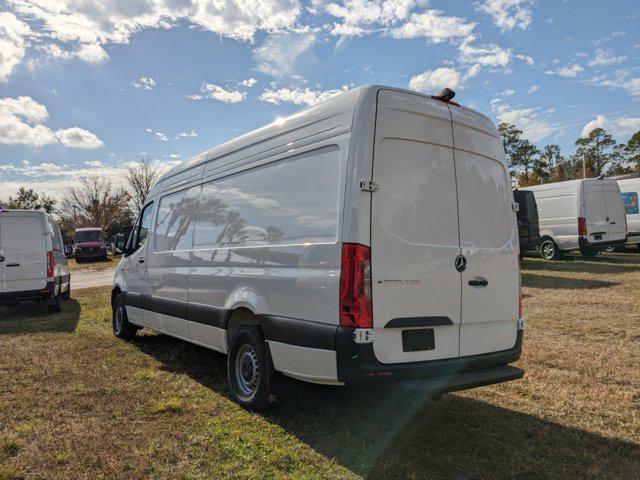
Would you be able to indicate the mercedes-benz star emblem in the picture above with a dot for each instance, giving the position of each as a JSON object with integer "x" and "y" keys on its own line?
{"x": 461, "y": 263}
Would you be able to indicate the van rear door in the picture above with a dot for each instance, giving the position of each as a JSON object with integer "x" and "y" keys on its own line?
{"x": 25, "y": 253}
{"x": 595, "y": 211}
{"x": 615, "y": 211}
{"x": 414, "y": 231}
{"x": 488, "y": 237}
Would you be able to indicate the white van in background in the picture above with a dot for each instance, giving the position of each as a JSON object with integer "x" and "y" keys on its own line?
{"x": 33, "y": 265}
{"x": 370, "y": 237}
{"x": 630, "y": 190}
{"x": 586, "y": 215}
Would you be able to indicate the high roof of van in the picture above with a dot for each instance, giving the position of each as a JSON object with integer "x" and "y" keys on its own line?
{"x": 567, "y": 184}
{"x": 344, "y": 106}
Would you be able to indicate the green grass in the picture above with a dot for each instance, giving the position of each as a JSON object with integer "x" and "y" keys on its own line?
{"x": 79, "y": 403}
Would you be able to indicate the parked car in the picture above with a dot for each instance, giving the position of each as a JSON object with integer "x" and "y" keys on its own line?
{"x": 370, "y": 237}
{"x": 527, "y": 216}
{"x": 586, "y": 215}
{"x": 33, "y": 266}
{"x": 630, "y": 189}
{"x": 90, "y": 244}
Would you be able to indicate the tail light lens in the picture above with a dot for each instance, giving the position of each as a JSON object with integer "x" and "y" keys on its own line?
{"x": 49, "y": 264}
{"x": 355, "y": 286}
{"x": 582, "y": 226}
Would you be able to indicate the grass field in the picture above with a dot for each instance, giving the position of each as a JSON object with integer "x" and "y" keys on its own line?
{"x": 110, "y": 262}
{"x": 77, "y": 403}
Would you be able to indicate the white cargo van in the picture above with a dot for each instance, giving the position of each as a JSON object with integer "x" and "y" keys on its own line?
{"x": 371, "y": 237}
{"x": 630, "y": 189}
{"x": 33, "y": 265}
{"x": 586, "y": 215}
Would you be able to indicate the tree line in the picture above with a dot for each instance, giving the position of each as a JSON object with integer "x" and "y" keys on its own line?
{"x": 94, "y": 202}
{"x": 596, "y": 154}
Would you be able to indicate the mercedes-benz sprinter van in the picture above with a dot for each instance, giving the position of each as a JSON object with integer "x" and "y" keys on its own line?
{"x": 33, "y": 265}
{"x": 586, "y": 215}
{"x": 371, "y": 237}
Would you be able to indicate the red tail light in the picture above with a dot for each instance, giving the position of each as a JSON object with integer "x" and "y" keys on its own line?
{"x": 582, "y": 226}
{"x": 355, "y": 286}
{"x": 50, "y": 264}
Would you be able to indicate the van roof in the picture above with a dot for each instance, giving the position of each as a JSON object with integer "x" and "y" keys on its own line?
{"x": 345, "y": 103}
{"x": 567, "y": 183}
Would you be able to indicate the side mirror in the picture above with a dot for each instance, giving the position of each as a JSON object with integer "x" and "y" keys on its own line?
{"x": 68, "y": 250}
{"x": 120, "y": 241}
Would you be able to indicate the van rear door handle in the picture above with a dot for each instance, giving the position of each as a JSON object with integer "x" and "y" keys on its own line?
{"x": 478, "y": 282}
{"x": 13, "y": 264}
{"x": 141, "y": 260}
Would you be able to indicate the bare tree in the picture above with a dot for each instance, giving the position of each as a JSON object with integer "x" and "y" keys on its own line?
{"x": 93, "y": 203}
{"x": 140, "y": 178}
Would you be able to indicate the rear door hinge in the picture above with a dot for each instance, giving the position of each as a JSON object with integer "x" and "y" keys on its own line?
{"x": 515, "y": 206}
{"x": 368, "y": 185}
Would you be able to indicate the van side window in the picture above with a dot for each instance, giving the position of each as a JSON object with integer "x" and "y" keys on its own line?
{"x": 174, "y": 222}
{"x": 143, "y": 226}
{"x": 265, "y": 206}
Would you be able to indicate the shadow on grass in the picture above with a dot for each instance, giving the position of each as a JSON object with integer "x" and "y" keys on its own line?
{"x": 396, "y": 431}
{"x": 606, "y": 265}
{"x": 556, "y": 282}
{"x": 33, "y": 317}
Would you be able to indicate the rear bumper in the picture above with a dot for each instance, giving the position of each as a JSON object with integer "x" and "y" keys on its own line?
{"x": 583, "y": 242}
{"x": 357, "y": 363}
{"x": 46, "y": 293}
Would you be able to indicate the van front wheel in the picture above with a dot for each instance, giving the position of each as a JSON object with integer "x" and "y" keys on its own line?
{"x": 122, "y": 328}
{"x": 248, "y": 369}
{"x": 549, "y": 250}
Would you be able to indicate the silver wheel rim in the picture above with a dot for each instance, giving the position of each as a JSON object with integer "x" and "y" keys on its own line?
{"x": 548, "y": 250}
{"x": 117, "y": 321}
{"x": 247, "y": 370}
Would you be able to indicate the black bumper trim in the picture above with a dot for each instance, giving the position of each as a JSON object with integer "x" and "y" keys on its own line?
{"x": 358, "y": 363}
{"x": 583, "y": 242}
{"x": 297, "y": 332}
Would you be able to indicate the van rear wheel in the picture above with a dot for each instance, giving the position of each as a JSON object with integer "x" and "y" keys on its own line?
{"x": 549, "y": 250}
{"x": 589, "y": 252}
{"x": 55, "y": 305}
{"x": 249, "y": 369}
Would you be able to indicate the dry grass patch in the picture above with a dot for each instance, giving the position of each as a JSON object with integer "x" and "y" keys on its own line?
{"x": 82, "y": 404}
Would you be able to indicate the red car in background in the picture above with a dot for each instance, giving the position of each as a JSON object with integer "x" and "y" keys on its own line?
{"x": 90, "y": 244}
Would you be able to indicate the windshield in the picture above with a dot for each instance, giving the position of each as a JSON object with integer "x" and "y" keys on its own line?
{"x": 89, "y": 236}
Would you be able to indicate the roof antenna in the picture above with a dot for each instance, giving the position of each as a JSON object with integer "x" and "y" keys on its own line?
{"x": 446, "y": 94}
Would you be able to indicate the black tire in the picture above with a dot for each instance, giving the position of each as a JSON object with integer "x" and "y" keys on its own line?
{"x": 549, "y": 250}
{"x": 67, "y": 295}
{"x": 249, "y": 369}
{"x": 589, "y": 252}
{"x": 55, "y": 304}
{"x": 122, "y": 328}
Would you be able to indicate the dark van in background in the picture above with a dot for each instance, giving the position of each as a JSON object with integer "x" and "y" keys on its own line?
{"x": 527, "y": 216}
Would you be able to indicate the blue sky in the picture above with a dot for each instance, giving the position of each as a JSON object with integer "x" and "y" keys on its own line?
{"x": 87, "y": 86}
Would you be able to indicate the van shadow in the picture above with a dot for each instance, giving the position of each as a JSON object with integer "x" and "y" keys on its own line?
{"x": 555, "y": 282}
{"x": 618, "y": 264}
{"x": 33, "y": 317}
{"x": 396, "y": 431}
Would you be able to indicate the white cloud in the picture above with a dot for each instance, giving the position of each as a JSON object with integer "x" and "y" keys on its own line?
{"x": 533, "y": 89}
{"x": 93, "y": 163}
{"x": 216, "y": 92}
{"x": 78, "y": 138}
{"x": 83, "y": 28}
{"x": 161, "y": 137}
{"x": 191, "y": 134}
{"x": 432, "y": 25}
{"x": 622, "y": 79}
{"x": 430, "y": 80}
{"x": 13, "y": 33}
{"x": 286, "y": 54}
{"x": 358, "y": 16}
{"x": 491, "y": 55}
{"x": 249, "y": 82}
{"x": 508, "y": 14}
{"x": 144, "y": 83}
{"x": 21, "y": 124}
{"x": 527, "y": 119}
{"x": 568, "y": 71}
{"x": 298, "y": 96}
{"x": 525, "y": 58}
{"x": 605, "y": 57}
{"x": 619, "y": 127}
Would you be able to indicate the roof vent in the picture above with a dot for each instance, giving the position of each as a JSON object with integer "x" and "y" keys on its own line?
{"x": 446, "y": 95}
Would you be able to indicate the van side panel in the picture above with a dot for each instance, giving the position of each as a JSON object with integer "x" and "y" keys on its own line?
{"x": 558, "y": 213}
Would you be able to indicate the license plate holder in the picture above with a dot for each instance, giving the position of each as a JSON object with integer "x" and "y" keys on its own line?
{"x": 417, "y": 340}
{"x": 597, "y": 237}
